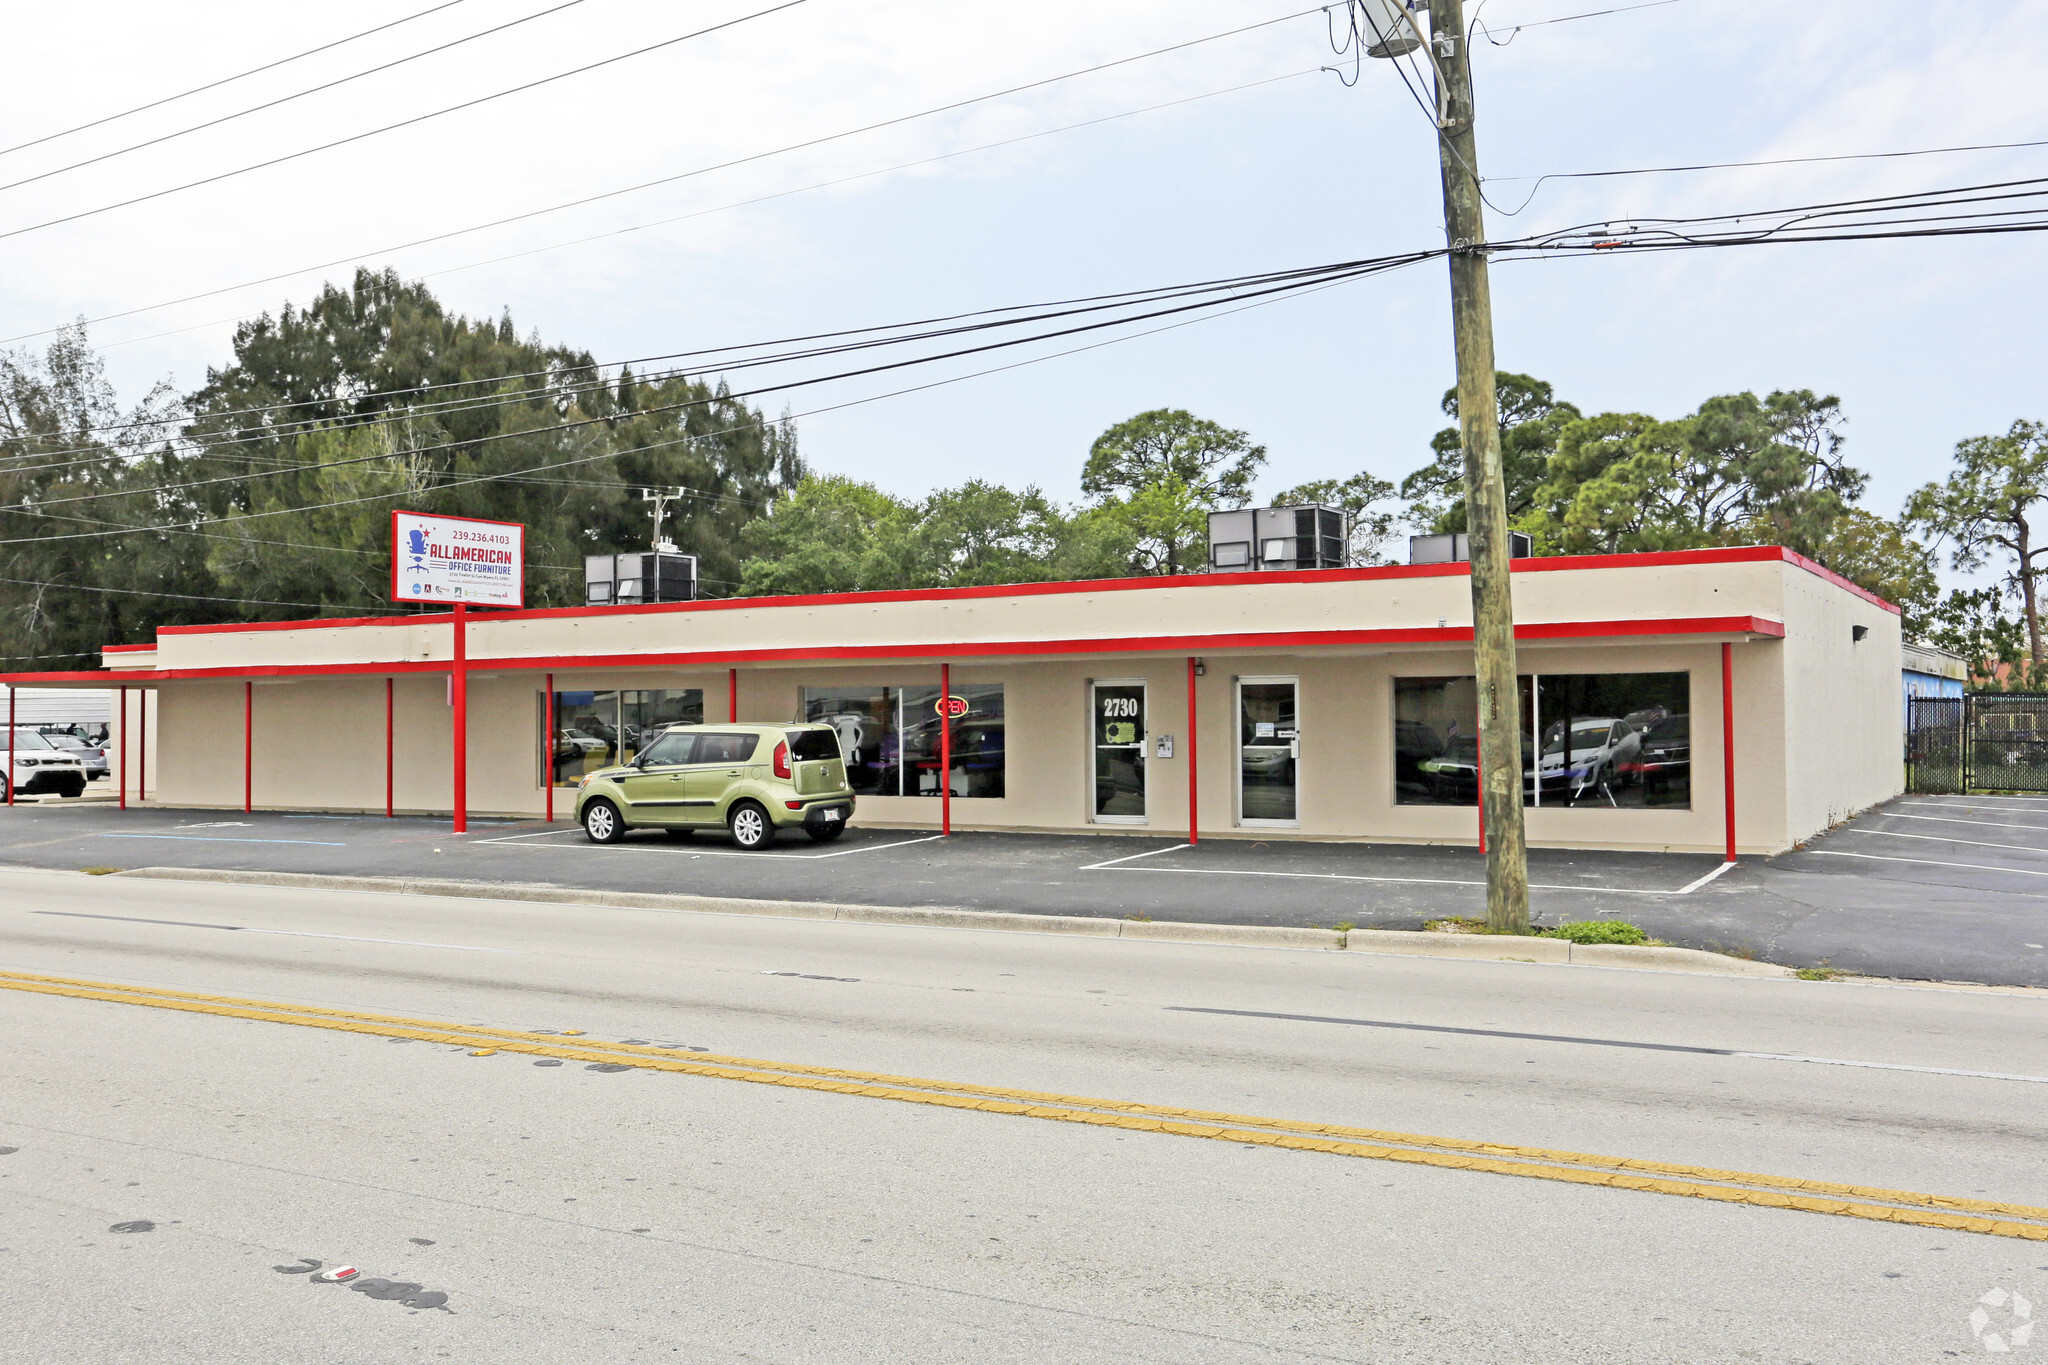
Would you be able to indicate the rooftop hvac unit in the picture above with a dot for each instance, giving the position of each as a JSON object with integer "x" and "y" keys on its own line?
{"x": 1310, "y": 537}
{"x": 1457, "y": 549}
{"x": 644, "y": 576}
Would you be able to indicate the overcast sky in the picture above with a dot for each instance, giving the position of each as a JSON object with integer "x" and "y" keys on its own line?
{"x": 1925, "y": 342}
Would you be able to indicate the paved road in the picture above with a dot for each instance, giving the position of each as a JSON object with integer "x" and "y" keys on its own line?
{"x": 571, "y": 1214}
{"x": 1939, "y": 888}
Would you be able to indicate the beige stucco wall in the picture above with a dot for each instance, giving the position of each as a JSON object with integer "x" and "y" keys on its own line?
{"x": 1816, "y": 719}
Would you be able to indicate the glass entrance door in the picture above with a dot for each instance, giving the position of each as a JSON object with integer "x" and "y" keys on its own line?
{"x": 1117, "y": 723}
{"x": 1268, "y": 753}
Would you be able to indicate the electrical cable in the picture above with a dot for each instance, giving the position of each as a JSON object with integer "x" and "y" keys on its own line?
{"x": 717, "y": 358}
{"x": 1285, "y": 281}
{"x": 402, "y": 123}
{"x": 286, "y": 99}
{"x": 683, "y": 175}
{"x": 181, "y": 596}
{"x": 227, "y": 80}
{"x": 1562, "y": 19}
{"x": 770, "y": 197}
{"x": 1376, "y": 266}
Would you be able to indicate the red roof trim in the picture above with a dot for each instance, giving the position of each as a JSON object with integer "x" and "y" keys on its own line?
{"x": 124, "y": 649}
{"x": 1152, "y": 644}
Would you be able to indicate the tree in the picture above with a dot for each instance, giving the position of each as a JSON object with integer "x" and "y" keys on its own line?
{"x": 1878, "y": 555}
{"x": 1985, "y": 511}
{"x": 821, "y": 538}
{"x": 1740, "y": 470}
{"x": 1531, "y": 416}
{"x": 1160, "y": 473}
{"x": 1370, "y": 526}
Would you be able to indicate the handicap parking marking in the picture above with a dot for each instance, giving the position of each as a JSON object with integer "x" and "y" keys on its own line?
{"x": 1945, "y": 839}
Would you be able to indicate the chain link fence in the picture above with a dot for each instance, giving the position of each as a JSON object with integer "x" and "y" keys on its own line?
{"x": 1983, "y": 742}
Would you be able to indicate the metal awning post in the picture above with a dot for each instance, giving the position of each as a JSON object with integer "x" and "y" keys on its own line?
{"x": 945, "y": 748}
{"x": 1728, "y": 743}
{"x": 547, "y": 745}
{"x": 459, "y": 682}
{"x": 1194, "y": 835}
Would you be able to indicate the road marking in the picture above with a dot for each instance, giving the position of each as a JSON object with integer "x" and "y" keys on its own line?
{"x": 671, "y": 851}
{"x": 1577, "y": 1168}
{"x": 1693, "y": 886}
{"x": 225, "y": 839}
{"x": 1925, "y": 862}
{"x": 1613, "y": 1042}
{"x": 1952, "y": 820}
{"x": 2017, "y": 803}
{"x": 1135, "y": 856}
{"x": 286, "y": 933}
{"x": 1945, "y": 839}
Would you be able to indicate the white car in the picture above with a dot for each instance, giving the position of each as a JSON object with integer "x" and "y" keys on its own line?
{"x": 1592, "y": 760}
{"x": 40, "y": 766}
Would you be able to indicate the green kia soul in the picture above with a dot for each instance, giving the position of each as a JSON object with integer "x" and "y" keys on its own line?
{"x": 755, "y": 780}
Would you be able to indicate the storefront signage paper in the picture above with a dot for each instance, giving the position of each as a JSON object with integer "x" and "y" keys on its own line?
{"x": 457, "y": 559}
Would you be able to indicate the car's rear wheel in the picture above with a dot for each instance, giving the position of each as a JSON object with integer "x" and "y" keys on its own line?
{"x": 751, "y": 828}
{"x": 603, "y": 823}
{"x": 825, "y": 834}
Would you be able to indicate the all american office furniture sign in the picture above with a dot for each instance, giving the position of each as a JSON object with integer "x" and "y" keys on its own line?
{"x": 449, "y": 560}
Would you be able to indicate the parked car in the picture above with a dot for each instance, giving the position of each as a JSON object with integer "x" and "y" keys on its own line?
{"x": 1586, "y": 760}
{"x": 91, "y": 756}
{"x": 1664, "y": 758}
{"x": 41, "y": 767}
{"x": 1453, "y": 775}
{"x": 754, "y": 780}
{"x": 1414, "y": 745}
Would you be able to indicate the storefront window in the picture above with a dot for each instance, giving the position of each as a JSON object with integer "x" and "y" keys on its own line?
{"x": 890, "y": 737}
{"x": 1614, "y": 740}
{"x": 598, "y": 729}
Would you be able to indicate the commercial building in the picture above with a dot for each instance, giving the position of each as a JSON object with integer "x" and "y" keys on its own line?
{"x": 1730, "y": 699}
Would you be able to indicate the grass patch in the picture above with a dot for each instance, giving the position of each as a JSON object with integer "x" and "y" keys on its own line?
{"x": 1343, "y": 926}
{"x": 1818, "y": 974}
{"x": 1139, "y": 919}
{"x": 98, "y": 871}
{"x": 1599, "y": 931}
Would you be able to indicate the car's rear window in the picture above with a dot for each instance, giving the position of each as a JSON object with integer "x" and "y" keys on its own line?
{"x": 808, "y": 746}
{"x": 725, "y": 748}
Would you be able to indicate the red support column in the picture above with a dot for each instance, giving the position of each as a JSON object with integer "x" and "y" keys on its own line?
{"x": 460, "y": 697}
{"x": 945, "y": 748}
{"x": 124, "y": 749}
{"x": 248, "y": 745}
{"x": 1194, "y": 835}
{"x": 547, "y": 745}
{"x": 732, "y": 696}
{"x": 10, "y": 746}
{"x": 141, "y": 745}
{"x": 388, "y": 765}
{"x": 1728, "y": 742}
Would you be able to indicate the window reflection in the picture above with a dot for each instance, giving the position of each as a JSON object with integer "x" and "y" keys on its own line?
{"x": 1615, "y": 740}
{"x": 601, "y": 729}
{"x": 890, "y": 737}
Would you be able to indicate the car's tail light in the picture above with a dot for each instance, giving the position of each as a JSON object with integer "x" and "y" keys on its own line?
{"x": 782, "y": 760}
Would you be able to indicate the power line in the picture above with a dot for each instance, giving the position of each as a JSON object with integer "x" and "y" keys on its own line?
{"x": 1279, "y": 282}
{"x": 1562, "y": 19}
{"x": 402, "y": 123}
{"x": 682, "y": 175}
{"x": 1373, "y": 267}
{"x": 287, "y": 99}
{"x": 181, "y": 596}
{"x": 226, "y": 80}
{"x": 721, "y": 358}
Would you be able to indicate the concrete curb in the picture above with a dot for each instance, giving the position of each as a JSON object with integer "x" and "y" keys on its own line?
{"x": 1396, "y": 942}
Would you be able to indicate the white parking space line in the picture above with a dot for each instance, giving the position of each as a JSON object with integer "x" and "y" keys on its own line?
{"x": 2015, "y": 803}
{"x": 223, "y": 839}
{"x": 537, "y": 834}
{"x": 685, "y": 852}
{"x": 1693, "y": 886}
{"x": 1924, "y": 862}
{"x": 1954, "y": 820}
{"x": 1135, "y": 856}
{"x": 1945, "y": 839}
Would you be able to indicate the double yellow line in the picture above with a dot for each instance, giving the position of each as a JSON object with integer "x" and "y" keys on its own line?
{"x": 1539, "y": 1163}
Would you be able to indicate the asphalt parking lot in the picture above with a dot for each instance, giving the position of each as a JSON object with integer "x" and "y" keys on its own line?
{"x": 1951, "y": 888}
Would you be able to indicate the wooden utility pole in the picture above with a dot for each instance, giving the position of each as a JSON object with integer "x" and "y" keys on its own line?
{"x": 1486, "y": 503}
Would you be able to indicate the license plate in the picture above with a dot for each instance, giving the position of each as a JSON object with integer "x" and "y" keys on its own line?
{"x": 835, "y": 815}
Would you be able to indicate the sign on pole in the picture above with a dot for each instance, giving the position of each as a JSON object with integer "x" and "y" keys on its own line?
{"x": 447, "y": 560}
